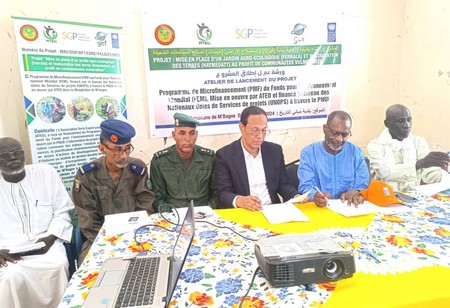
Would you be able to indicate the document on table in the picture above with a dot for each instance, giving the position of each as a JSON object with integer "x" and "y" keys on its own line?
{"x": 336, "y": 205}
{"x": 124, "y": 222}
{"x": 25, "y": 247}
{"x": 299, "y": 199}
{"x": 283, "y": 212}
{"x": 200, "y": 212}
{"x": 430, "y": 189}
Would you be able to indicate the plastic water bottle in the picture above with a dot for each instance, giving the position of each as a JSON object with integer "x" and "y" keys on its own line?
{"x": 448, "y": 166}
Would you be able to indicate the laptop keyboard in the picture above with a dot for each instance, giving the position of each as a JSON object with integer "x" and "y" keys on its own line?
{"x": 138, "y": 287}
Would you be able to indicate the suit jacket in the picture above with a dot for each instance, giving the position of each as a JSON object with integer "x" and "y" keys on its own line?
{"x": 232, "y": 178}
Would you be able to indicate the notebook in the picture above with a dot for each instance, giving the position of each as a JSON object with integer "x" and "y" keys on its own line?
{"x": 162, "y": 270}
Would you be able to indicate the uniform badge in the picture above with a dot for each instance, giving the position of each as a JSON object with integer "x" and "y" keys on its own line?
{"x": 149, "y": 184}
{"x": 77, "y": 185}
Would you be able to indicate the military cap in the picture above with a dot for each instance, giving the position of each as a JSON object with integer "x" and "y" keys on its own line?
{"x": 184, "y": 120}
{"x": 116, "y": 131}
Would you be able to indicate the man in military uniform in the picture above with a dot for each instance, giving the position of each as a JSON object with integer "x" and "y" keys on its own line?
{"x": 184, "y": 171}
{"x": 114, "y": 183}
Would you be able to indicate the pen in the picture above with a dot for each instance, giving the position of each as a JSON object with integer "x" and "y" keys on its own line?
{"x": 318, "y": 190}
{"x": 321, "y": 193}
{"x": 370, "y": 255}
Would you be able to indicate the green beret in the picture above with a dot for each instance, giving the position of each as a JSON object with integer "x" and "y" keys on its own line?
{"x": 184, "y": 120}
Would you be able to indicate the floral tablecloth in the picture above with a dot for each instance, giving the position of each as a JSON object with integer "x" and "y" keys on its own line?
{"x": 407, "y": 241}
{"x": 220, "y": 263}
{"x": 217, "y": 272}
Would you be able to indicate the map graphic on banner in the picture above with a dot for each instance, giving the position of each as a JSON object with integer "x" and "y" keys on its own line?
{"x": 211, "y": 66}
{"x": 72, "y": 80}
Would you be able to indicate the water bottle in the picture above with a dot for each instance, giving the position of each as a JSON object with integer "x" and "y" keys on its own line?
{"x": 448, "y": 165}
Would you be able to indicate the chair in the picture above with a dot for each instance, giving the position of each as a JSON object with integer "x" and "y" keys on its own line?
{"x": 368, "y": 167}
{"x": 73, "y": 248}
{"x": 291, "y": 170}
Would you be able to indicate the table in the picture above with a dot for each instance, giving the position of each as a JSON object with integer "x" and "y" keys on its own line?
{"x": 411, "y": 265}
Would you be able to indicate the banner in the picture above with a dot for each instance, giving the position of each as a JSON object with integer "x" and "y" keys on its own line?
{"x": 213, "y": 63}
{"x": 72, "y": 80}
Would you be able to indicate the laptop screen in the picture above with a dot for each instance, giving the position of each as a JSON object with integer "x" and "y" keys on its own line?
{"x": 181, "y": 249}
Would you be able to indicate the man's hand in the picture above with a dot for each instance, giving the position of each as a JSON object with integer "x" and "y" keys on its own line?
{"x": 48, "y": 240}
{"x": 353, "y": 197}
{"x": 321, "y": 199}
{"x": 5, "y": 256}
{"x": 251, "y": 203}
{"x": 433, "y": 159}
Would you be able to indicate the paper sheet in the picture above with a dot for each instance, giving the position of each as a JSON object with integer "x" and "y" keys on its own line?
{"x": 25, "y": 247}
{"x": 200, "y": 212}
{"x": 283, "y": 212}
{"x": 336, "y": 205}
{"x": 299, "y": 199}
{"x": 124, "y": 222}
{"x": 430, "y": 189}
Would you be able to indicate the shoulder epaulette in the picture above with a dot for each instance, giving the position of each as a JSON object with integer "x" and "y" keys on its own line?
{"x": 162, "y": 153}
{"x": 141, "y": 170}
{"x": 206, "y": 151}
{"x": 88, "y": 167}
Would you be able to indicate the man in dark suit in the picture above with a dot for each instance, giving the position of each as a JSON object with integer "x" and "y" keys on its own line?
{"x": 250, "y": 172}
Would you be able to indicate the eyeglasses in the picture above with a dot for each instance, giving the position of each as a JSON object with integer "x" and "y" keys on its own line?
{"x": 118, "y": 150}
{"x": 255, "y": 132}
{"x": 335, "y": 134}
{"x": 8, "y": 155}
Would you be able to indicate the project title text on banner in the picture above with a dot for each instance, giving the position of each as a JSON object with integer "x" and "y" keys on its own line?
{"x": 211, "y": 68}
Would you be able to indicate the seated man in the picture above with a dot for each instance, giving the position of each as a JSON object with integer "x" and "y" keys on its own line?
{"x": 400, "y": 158}
{"x": 250, "y": 172}
{"x": 114, "y": 183}
{"x": 184, "y": 171}
{"x": 333, "y": 168}
{"x": 34, "y": 206}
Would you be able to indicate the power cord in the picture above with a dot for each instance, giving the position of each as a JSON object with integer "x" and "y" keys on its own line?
{"x": 249, "y": 287}
{"x": 208, "y": 222}
{"x": 147, "y": 225}
{"x": 234, "y": 231}
{"x": 198, "y": 221}
{"x": 158, "y": 226}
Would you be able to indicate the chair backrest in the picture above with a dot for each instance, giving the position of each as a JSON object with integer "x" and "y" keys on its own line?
{"x": 73, "y": 248}
{"x": 368, "y": 167}
{"x": 291, "y": 170}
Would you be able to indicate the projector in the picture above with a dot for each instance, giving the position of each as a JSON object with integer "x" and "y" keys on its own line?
{"x": 295, "y": 259}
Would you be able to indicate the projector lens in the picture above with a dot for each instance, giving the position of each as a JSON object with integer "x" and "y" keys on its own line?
{"x": 333, "y": 268}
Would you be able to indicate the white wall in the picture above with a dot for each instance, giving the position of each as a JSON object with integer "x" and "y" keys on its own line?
{"x": 394, "y": 51}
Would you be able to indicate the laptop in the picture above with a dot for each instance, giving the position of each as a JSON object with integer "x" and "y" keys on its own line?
{"x": 120, "y": 275}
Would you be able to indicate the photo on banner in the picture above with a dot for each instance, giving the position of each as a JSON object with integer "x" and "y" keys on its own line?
{"x": 211, "y": 66}
{"x": 72, "y": 80}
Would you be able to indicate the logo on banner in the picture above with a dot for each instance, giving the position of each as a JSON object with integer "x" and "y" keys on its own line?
{"x": 75, "y": 36}
{"x": 101, "y": 38}
{"x": 164, "y": 35}
{"x": 331, "y": 27}
{"x": 298, "y": 30}
{"x": 250, "y": 33}
{"x": 50, "y": 34}
{"x": 115, "y": 40}
{"x": 204, "y": 34}
{"x": 29, "y": 33}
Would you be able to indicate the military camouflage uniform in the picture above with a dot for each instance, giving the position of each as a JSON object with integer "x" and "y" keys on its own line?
{"x": 175, "y": 186}
{"x": 95, "y": 195}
